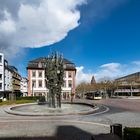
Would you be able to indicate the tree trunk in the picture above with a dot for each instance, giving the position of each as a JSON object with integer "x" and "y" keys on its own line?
{"x": 59, "y": 101}
{"x": 49, "y": 98}
{"x": 131, "y": 90}
{"x": 53, "y": 100}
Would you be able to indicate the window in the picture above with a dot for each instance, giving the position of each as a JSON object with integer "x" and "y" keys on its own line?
{"x": 40, "y": 83}
{"x": 45, "y": 83}
{"x": 0, "y": 76}
{"x": 40, "y": 74}
{"x": 70, "y": 83}
{"x": 0, "y": 85}
{"x": 70, "y": 75}
{"x": 33, "y": 84}
{"x": 33, "y": 74}
{"x": 64, "y": 84}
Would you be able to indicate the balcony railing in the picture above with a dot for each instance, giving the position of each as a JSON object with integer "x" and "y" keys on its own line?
{"x": 127, "y": 90}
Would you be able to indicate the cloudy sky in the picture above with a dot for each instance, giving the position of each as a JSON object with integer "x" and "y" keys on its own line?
{"x": 102, "y": 37}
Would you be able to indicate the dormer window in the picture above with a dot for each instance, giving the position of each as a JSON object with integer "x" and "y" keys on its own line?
{"x": 40, "y": 65}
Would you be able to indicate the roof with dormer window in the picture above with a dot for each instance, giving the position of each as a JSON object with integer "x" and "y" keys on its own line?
{"x": 40, "y": 63}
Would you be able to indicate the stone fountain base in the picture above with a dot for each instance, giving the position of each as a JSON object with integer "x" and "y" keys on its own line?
{"x": 33, "y": 109}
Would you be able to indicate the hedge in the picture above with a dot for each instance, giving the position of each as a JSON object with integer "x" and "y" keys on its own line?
{"x": 28, "y": 98}
{"x": 131, "y": 133}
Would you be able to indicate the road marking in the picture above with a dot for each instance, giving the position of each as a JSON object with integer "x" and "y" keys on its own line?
{"x": 98, "y": 113}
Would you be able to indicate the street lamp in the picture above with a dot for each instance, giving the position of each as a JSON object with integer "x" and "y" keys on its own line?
{"x": 72, "y": 95}
{"x": 105, "y": 88}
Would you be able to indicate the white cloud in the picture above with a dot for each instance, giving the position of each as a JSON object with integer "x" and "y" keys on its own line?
{"x": 81, "y": 76}
{"x": 44, "y": 23}
{"x": 107, "y": 71}
{"x": 136, "y": 63}
{"x": 111, "y": 66}
{"x": 7, "y": 26}
{"x": 110, "y": 71}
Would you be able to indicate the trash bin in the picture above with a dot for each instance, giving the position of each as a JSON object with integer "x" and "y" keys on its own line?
{"x": 116, "y": 129}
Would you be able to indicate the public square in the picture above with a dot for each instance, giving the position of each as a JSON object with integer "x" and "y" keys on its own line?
{"x": 69, "y": 69}
{"x": 123, "y": 111}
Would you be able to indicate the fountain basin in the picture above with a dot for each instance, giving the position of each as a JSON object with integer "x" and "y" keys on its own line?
{"x": 33, "y": 109}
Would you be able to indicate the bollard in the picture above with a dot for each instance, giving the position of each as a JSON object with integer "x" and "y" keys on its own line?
{"x": 116, "y": 129}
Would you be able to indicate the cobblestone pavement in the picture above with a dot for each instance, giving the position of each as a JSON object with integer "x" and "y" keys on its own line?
{"x": 124, "y": 111}
{"x": 132, "y": 105}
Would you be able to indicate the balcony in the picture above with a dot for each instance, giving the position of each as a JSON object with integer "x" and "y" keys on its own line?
{"x": 126, "y": 90}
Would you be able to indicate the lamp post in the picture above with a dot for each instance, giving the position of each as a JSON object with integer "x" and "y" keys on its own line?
{"x": 105, "y": 89}
{"x": 72, "y": 95}
{"x": 47, "y": 94}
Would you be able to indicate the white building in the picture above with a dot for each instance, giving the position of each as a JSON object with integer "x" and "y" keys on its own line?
{"x": 36, "y": 78}
{"x": 1, "y": 74}
{"x": 7, "y": 78}
{"x": 24, "y": 86}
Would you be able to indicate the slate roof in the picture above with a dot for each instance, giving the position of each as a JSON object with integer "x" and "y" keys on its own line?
{"x": 34, "y": 64}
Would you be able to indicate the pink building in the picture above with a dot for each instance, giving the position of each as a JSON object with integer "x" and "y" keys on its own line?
{"x": 36, "y": 78}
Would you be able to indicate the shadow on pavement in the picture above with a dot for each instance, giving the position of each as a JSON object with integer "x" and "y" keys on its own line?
{"x": 68, "y": 133}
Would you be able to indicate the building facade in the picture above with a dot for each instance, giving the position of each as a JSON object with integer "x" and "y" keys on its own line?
{"x": 1, "y": 74}
{"x": 16, "y": 78}
{"x": 36, "y": 78}
{"x": 128, "y": 85}
{"x": 24, "y": 86}
{"x": 9, "y": 78}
